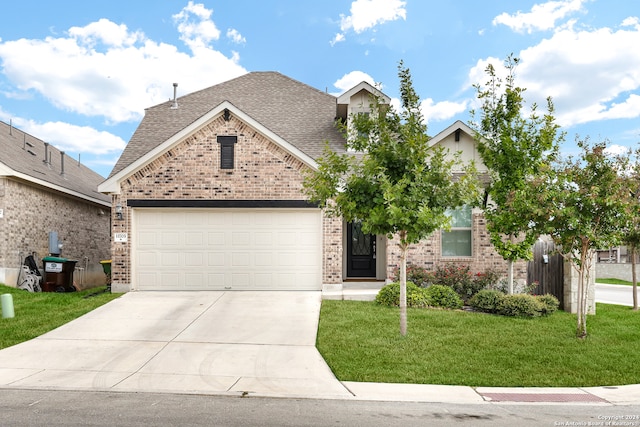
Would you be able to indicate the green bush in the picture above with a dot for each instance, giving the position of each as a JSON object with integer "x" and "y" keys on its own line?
{"x": 443, "y": 296}
{"x": 549, "y": 303}
{"x": 487, "y": 300}
{"x": 416, "y": 274}
{"x": 389, "y": 295}
{"x": 520, "y": 305}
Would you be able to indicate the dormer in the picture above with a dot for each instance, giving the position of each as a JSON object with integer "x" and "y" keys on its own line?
{"x": 460, "y": 138}
{"x": 357, "y": 100}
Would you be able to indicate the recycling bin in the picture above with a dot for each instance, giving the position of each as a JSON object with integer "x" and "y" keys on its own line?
{"x": 58, "y": 274}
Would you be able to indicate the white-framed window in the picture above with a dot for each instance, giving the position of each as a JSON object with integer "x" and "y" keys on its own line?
{"x": 458, "y": 241}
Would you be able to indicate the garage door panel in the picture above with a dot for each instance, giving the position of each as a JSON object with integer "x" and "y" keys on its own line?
{"x": 227, "y": 249}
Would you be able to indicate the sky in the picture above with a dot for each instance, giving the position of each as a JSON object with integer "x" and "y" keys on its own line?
{"x": 79, "y": 74}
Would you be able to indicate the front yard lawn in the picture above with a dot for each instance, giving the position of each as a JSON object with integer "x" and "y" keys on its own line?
{"x": 37, "y": 313}
{"x": 361, "y": 342}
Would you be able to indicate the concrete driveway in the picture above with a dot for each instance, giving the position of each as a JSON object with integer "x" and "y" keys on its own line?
{"x": 255, "y": 343}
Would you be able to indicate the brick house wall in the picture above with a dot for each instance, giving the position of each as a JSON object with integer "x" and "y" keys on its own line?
{"x": 428, "y": 253}
{"x": 30, "y": 212}
{"x": 191, "y": 170}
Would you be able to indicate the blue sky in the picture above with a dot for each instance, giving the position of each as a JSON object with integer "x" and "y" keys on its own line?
{"x": 78, "y": 73}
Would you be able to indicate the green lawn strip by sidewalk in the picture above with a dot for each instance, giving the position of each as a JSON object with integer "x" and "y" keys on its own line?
{"x": 361, "y": 342}
{"x": 614, "y": 282}
{"x": 40, "y": 312}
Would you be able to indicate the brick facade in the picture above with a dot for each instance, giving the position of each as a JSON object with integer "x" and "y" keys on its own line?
{"x": 428, "y": 253}
{"x": 30, "y": 212}
{"x": 191, "y": 170}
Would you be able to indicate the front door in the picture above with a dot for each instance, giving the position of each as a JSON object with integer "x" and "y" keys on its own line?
{"x": 361, "y": 252}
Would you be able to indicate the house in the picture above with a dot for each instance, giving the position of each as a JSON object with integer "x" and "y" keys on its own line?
{"x": 43, "y": 191}
{"x": 208, "y": 195}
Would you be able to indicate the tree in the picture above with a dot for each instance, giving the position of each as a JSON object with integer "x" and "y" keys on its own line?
{"x": 400, "y": 186}
{"x": 515, "y": 149}
{"x": 583, "y": 209}
{"x": 631, "y": 236}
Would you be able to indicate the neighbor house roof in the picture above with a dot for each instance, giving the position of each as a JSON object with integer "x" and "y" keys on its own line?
{"x": 299, "y": 114}
{"x": 22, "y": 156}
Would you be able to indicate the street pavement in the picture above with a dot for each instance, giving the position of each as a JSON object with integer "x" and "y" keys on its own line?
{"x": 229, "y": 343}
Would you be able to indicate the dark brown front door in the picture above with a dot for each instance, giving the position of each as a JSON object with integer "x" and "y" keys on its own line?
{"x": 361, "y": 252}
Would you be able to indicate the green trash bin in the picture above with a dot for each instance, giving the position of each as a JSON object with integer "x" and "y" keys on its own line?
{"x": 58, "y": 274}
{"x": 106, "y": 267}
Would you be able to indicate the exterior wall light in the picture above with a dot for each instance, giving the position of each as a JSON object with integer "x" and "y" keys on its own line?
{"x": 119, "y": 212}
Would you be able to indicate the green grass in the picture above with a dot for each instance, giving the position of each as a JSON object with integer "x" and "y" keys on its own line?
{"x": 361, "y": 342}
{"x": 37, "y": 313}
{"x": 614, "y": 282}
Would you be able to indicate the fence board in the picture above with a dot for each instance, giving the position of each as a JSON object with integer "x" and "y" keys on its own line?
{"x": 547, "y": 271}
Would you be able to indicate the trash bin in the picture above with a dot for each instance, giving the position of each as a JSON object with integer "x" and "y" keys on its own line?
{"x": 58, "y": 274}
{"x": 106, "y": 267}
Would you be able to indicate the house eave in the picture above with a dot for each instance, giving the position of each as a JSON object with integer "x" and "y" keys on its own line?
{"x": 6, "y": 171}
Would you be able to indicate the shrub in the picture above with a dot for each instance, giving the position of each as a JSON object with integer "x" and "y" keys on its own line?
{"x": 443, "y": 296}
{"x": 520, "y": 305}
{"x": 389, "y": 295}
{"x": 460, "y": 279}
{"x": 549, "y": 303}
{"x": 487, "y": 279}
{"x": 487, "y": 300}
{"x": 416, "y": 274}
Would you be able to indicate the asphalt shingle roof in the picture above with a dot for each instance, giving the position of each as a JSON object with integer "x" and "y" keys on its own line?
{"x": 298, "y": 113}
{"x": 25, "y": 154}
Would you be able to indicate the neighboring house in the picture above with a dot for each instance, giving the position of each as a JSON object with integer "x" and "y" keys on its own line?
{"x": 208, "y": 195}
{"x": 41, "y": 191}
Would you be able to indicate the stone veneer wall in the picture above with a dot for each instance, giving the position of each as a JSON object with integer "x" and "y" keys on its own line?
{"x": 428, "y": 253}
{"x": 31, "y": 212}
{"x": 190, "y": 170}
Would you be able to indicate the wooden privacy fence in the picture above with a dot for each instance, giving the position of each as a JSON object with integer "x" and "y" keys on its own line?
{"x": 547, "y": 268}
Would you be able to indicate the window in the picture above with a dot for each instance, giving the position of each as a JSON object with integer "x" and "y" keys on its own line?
{"x": 227, "y": 147}
{"x": 457, "y": 242}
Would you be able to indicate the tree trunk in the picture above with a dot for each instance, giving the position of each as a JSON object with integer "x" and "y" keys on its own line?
{"x": 403, "y": 283}
{"x": 634, "y": 279}
{"x": 583, "y": 277}
{"x": 510, "y": 276}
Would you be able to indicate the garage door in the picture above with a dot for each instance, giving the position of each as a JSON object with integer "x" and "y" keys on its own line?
{"x": 223, "y": 249}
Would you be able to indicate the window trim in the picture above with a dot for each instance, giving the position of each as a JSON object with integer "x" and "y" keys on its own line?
{"x": 469, "y": 229}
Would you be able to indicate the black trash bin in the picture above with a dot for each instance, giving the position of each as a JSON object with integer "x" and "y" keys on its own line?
{"x": 58, "y": 274}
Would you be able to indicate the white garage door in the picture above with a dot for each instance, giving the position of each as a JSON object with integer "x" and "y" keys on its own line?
{"x": 219, "y": 249}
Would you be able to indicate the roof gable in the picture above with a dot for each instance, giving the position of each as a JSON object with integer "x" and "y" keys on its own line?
{"x": 460, "y": 138}
{"x": 112, "y": 184}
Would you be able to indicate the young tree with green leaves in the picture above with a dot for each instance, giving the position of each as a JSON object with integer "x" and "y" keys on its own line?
{"x": 584, "y": 209}
{"x": 515, "y": 149}
{"x": 631, "y": 236}
{"x": 400, "y": 186}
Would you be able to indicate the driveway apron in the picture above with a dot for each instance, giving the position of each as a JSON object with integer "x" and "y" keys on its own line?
{"x": 241, "y": 342}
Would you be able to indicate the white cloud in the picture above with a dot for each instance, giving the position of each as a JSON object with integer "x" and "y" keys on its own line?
{"x": 352, "y": 79}
{"x": 367, "y": 14}
{"x": 105, "y": 70}
{"x": 68, "y": 137}
{"x": 199, "y": 32}
{"x": 444, "y": 110}
{"x": 616, "y": 150}
{"x": 591, "y": 74}
{"x": 542, "y": 16}
{"x": 235, "y": 36}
